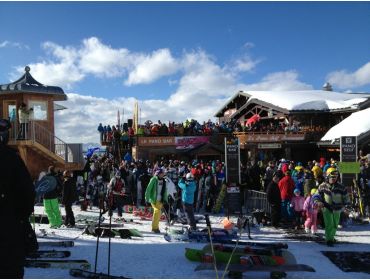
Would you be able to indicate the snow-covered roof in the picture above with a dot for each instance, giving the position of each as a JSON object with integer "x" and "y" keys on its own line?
{"x": 304, "y": 100}
{"x": 354, "y": 125}
{"x": 309, "y": 99}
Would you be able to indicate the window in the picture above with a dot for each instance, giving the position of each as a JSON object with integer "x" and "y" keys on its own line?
{"x": 40, "y": 110}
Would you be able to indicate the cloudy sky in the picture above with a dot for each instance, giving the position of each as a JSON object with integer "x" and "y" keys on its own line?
{"x": 179, "y": 59}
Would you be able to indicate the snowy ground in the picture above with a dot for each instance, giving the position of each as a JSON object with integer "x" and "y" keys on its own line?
{"x": 153, "y": 257}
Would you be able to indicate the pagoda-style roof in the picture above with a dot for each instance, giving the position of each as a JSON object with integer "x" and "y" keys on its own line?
{"x": 27, "y": 84}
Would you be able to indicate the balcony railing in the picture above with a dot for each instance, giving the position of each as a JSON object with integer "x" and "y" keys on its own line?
{"x": 36, "y": 133}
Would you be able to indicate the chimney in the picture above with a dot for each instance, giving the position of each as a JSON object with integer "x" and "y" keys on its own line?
{"x": 327, "y": 87}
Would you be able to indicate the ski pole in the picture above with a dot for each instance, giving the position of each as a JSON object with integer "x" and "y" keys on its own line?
{"x": 97, "y": 241}
{"x": 210, "y": 240}
{"x": 109, "y": 242}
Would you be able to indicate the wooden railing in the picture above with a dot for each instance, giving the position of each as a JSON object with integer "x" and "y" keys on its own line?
{"x": 39, "y": 134}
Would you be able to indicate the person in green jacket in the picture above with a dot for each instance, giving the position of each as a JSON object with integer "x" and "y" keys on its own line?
{"x": 156, "y": 194}
{"x": 331, "y": 197}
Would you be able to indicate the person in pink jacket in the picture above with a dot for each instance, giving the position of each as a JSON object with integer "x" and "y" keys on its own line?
{"x": 297, "y": 204}
{"x": 311, "y": 214}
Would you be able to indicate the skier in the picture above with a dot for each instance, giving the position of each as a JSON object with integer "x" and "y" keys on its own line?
{"x": 331, "y": 197}
{"x": 17, "y": 196}
{"x": 311, "y": 213}
{"x": 273, "y": 197}
{"x": 51, "y": 203}
{"x": 69, "y": 196}
{"x": 188, "y": 187}
{"x": 117, "y": 192}
{"x": 156, "y": 194}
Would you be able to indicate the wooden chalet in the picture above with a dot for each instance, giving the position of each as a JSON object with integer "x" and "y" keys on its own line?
{"x": 40, "y": 148}
{"x": 289, "y": 124}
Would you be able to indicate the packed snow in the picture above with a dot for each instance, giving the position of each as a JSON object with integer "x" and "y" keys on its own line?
{"x": 153, "y": 257}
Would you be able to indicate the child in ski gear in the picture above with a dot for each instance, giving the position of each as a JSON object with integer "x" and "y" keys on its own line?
{"x": 188, "y": 187}
{"x": 51, "y": 203}
{"x": 17, "y": 196}
{"x": 331, "y": 197}
{"x": 311, "y": 210}
{"x": 69, "y": 196}
{"x": 117, "y": 192}
{"x": 297, "y": 205}
{"x": 156, "y": 194}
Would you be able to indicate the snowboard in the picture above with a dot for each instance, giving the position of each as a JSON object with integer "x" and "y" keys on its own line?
{"x": 245, "y": 268}
{"x": 62, "y": 264}
{"x": 49, "y": 254}
{"x": 92, "y": 275}
{"x": 46, "y": 184}
{"x": 80, "y": 218}
{"x": 271, "y": 245}
{"x": 244, "y": 249}
{"x": 65, "y": 243}
{"x": 124, "y": 233}
{"x": 196, "y": 255}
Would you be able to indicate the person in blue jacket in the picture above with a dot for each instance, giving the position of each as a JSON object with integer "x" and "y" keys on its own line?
{"x": 188, "y": 187}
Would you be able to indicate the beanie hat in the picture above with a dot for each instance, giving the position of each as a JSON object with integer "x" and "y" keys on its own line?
{"x": 313, "y": 191}
{"x": 296, "y": 190}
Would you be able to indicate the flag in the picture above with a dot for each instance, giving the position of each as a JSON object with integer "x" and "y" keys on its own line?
{"x": 118, "y": 120}
{"x": 136, "y": 116}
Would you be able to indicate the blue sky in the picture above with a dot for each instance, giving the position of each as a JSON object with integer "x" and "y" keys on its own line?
{"x": 168, "y": 55}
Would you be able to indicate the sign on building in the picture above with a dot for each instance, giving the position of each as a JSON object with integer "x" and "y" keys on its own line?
{"x": 348, "y": 159}
{"x": 232, "y": 163}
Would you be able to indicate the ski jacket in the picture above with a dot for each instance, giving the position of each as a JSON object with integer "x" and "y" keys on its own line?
{"x": 297, "y": 203}
{"x": 17, "y": 197}
{"x": 309, "y": 205}
{"x": 69, "y": 192}
{"x": 151, "y": 191}
{"x": 188, "y": 190}
{"x": 286, "y": 186}
{"x": 273, "y": 194}
{"x": 56, "y": 192}
{"x": 333, "y": 196}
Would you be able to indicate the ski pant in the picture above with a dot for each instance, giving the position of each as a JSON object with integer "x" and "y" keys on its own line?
{"x": 70, "y": 218}
{"x": 189, "y": 210}
{"x": 331, "y": 220}
{"x": 119, "y": 201}
{"x": 156, "y": 214}
{"x": 286, "y": 211}
{"x": 53, "y": 212}
{"x": 275, "y": 214}
{"x": 311, "y": 221}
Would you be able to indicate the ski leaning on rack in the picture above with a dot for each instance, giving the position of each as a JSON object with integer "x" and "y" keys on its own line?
{"x": 64, "y": 243}
{"x": 49, "y": 254}
{"x": 245, "y": 268}
{"x": 79, "y": 273}
{"x": 63, "y": 264}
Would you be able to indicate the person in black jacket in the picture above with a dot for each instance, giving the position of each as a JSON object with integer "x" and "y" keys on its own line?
{"x": 273, "y": 197}
{"x": 17, "y": 197}
{"x": 51, "y": 203}
{"x": 69, "y": 196}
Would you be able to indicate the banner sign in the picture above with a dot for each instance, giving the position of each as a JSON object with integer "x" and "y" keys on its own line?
{"x": 190, "y": 142}
{"x": 156, "y": 141}
{"x": 232, "y": 161}
{"x": 348, "y": 157}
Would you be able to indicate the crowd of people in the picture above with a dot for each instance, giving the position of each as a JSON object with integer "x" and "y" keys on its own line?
{"x": 191, "y": 127}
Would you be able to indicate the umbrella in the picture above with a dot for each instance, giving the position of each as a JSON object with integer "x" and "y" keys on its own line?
{"x": 252, "y": 120}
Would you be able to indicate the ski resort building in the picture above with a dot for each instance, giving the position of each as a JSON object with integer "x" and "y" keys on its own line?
{"x": 39, "y": 147}
{"x": 301, "y": 125}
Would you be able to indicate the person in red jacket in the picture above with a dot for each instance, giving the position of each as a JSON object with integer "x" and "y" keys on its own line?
{"x": 286, "y": 186}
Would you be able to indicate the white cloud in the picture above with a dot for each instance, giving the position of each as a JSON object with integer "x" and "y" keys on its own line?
{"x": 152, "y": 67}
{"x": 20, "y": 46}
{"x": 280, "y": 81}
{"x": 345, "y": 80}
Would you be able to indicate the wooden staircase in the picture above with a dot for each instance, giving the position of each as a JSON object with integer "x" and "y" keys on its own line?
{"x": 42, "y": 148}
